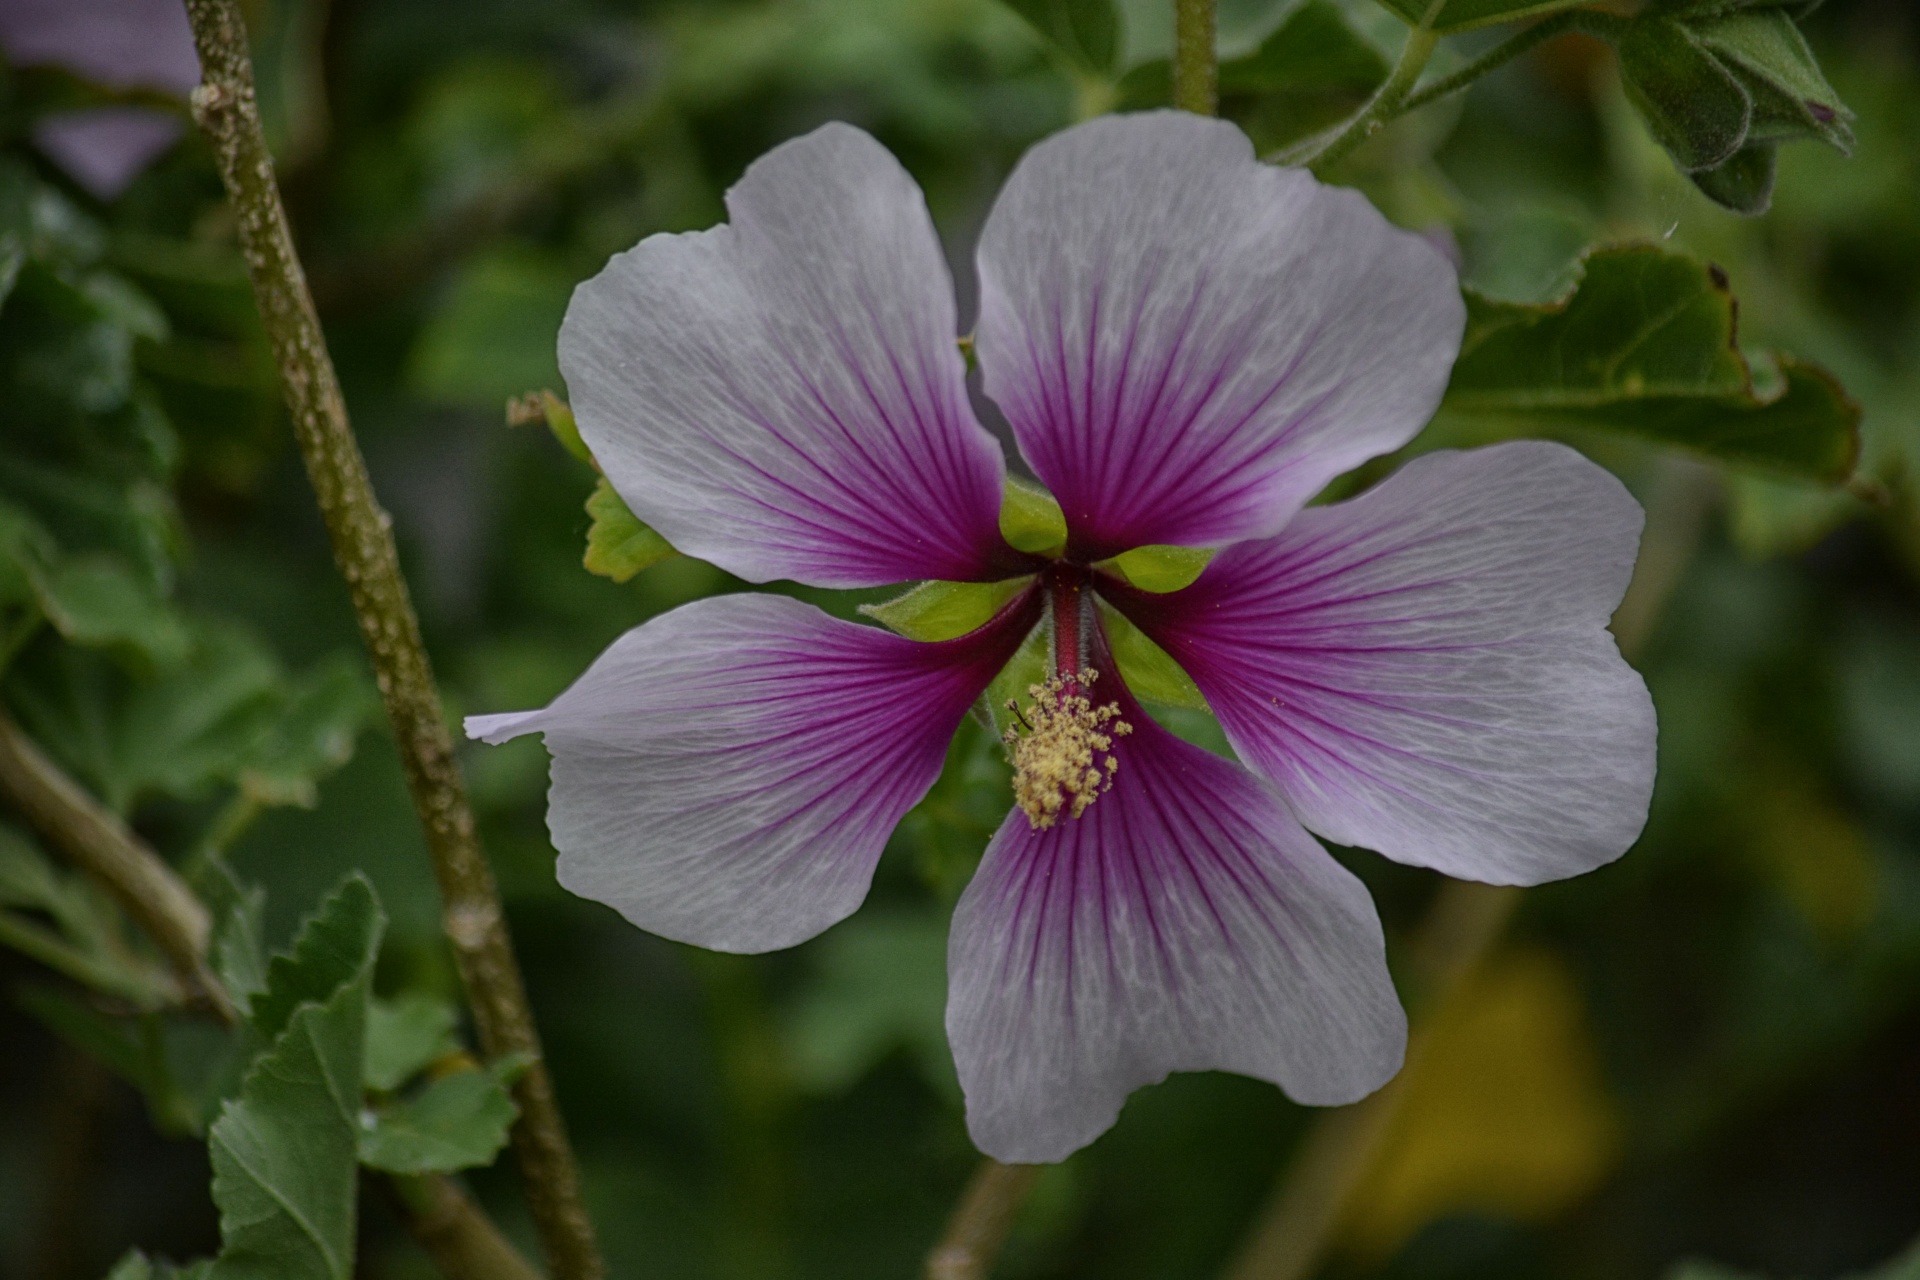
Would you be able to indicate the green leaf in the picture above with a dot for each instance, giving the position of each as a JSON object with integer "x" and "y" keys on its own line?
{"x": 1528, "y": 255}
{"x": 1646, "y": 345}
{"x": 137, "y": 1266}
{"x": 1315, "y": 50}
{"x": 238, "y": 955}
{"x": 285, "y": 1152}
{"x": 1464, "y": 15}
{"x": 96, "y": 600}
{"x": 1149, "y": 670}
{"x": 311, "y": 734}
{"x": 1086, "y": 32}
{"x": 1791, "y": 96}
{"x": 945, "y": 610}
{"x": 457, "y": 1122}
{"x": 1696, "y": 108}
{"x": 492, "y": 336}
{"x": 618, "y": 545}
{"x": 333, "y": 945}
{"x": 406, "y": 1035}
{"x": 1030, "y": 519}
{"x": 881, "y": 986}
{"x": 1159, "y": 569}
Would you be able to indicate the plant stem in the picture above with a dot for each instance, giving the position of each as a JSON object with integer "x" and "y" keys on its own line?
{"x": 1196, "y": 63}
{"x": 100, "y": 844}
{"x": 1462, "y": 928}
{"x": 1589, "y": 21}
{"x": 1386, "y": 101}
{"x": 981, "y": 1223}
{"x": 362, "y": 537}
{"x": 1498, "y": 56}
{"x": 456, "y": 1233}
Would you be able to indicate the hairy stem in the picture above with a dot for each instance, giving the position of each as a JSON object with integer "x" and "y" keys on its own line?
{"x": 1583, "y": 20}
{"x": 1465, "y": 923}
{"x": 1196, "y": 63}
{"x": 982, "y": 1221}
{"x": 361, "y": 533}
{"x": 100, "y": 844}
{"x": 1385, "y": 103}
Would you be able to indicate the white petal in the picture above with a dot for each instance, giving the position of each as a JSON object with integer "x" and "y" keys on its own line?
{"x": 1185, "y": 922}
{"x": 1189, "y": 343}
{"x": 728, "y": 773}
{"x": 1426, "y": 671}
{"x": 783, "y": 395}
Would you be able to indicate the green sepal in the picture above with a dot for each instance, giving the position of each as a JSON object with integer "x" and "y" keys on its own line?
{"x": 1030, "y": 519}
{"x": 618, "y": 544}
{"x": 1646, "y": 344}
{"x": 1027, "y": 667}
{"x": 945, "y": 610}
{"x": 1149, "y": 670}
{"x": 1159, "y": 568}
{"x": 1744, "y": 182}
{"x": 1695, "y": 107}
{"x": 1791, "y": 96}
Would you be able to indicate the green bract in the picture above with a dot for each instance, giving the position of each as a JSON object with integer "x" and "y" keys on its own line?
{"x": 618, "y": 544}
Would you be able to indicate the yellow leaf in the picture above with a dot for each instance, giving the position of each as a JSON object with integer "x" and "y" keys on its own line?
{"x": 1505, "y": 1111}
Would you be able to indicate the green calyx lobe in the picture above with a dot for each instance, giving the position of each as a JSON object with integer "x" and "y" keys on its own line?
{"x": 1158, "y": 569}
{"x": 1030, "y": 520}
{"x": 945, "y": 610}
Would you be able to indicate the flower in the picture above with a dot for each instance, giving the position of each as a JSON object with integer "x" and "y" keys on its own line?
{"x": 1189, "y": 345}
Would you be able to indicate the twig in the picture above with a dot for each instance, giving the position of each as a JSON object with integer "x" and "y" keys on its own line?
{"x": 1583, "y": 20}
{"x": 362, "y": 537}
{"x": 456, "y": 1233}
{"x": 1196, "y": 64}
{"x": 1385, "y": 103}
{"x": 100, "y": 844}
{"x": 982, "y": 1221}
{"x": 1463, "y": 926}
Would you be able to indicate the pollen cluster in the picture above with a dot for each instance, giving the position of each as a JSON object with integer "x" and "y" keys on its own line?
{"x": 1062, "y": 749}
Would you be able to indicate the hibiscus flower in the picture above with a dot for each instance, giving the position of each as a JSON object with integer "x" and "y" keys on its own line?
{"x": 1189, "y": 345}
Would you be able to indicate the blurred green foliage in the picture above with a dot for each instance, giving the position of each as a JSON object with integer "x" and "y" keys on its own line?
{"x": 1704, "y": 1051}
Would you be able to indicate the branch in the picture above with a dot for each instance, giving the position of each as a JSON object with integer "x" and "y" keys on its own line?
{"x": 363, "y": 548}
{"x": 980, "y": 1224}
{"x": 456, "y": 1233}
{"x": 1196, "y": 61}
{"x": 93, "y": 836}
{"x": 1386, "y": 102}
{"x": 1462, "y": 928}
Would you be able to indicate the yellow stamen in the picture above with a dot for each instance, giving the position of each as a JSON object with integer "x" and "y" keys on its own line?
{"x": 1064, "y": 760}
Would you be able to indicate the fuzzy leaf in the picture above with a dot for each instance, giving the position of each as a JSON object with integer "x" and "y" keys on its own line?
{"x": 1744, "y": 182}
{"x": 1646, "y": 345}
{"x": 618, "y": 545}
{"x": 1791, "y": 96}
{"x": 944, "y": 610}
{"x": 333, "y": 944}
